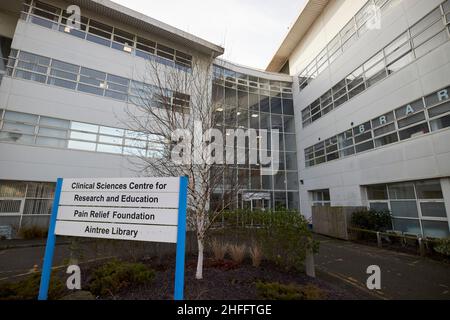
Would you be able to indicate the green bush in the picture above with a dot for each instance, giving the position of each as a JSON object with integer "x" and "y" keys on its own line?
{"x": 443, "y": 247}
{"x": 283, "y": 236}
{"x": 278, "y": 291}
{"x": 372, "y": 220}
{"x": 115, "y": 275}
{"x": 33, "y": 232}
{"x": 28, "y": 289}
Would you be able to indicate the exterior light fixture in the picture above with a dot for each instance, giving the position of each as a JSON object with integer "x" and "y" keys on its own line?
{"x": 67, "y": 29}
{"x": 255, "y": 115}
{"x": 219, "y": 109}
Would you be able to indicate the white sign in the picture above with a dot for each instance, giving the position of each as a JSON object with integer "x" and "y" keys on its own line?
{"x": 120, "y": 199}
{"x": 120, "y": 215}
{"x": 143, "y": 209}
{"x": 117, "y": 231}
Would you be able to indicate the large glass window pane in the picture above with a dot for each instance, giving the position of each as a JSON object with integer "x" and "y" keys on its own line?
{"x": 64, "y": 66}
{"x": 433, "y": 209}
{"x": 83, "y": 136}
{"x": 440, "y": 123}
{"x": 418, "y": 117}
{"x": 431, "y": 44}
{"x": 291, "y": 160}
{"x": 16, "y": 137}
{"x": 288, "y": 107}
{"x": 379, "y": 206}
{"x": 407, "y": 226}
{"x": 377, "y": 192}
{"x": 429, "y": 189}
{"x": 426, "y": 22}
{"x": 55, "y": 133}
{"x": 375, "y": 74}
{"x": 383, "y": 130}
{"x": 435, "y": 229}
{"x": 404, "y": 190}
{"x": 30, "y": 76}
{"x": 20, "y": 117}
{"x": 112, "y": 131}
{"x": 443, "y": 108}
{"x": 53, "y": 122}
{"x": 414, "y": 131}
{"x": 18, "y": 127}
{"x": 84, "y": 127}
{"x": 399, "y": 63}
{"x": 364, "y": 146}
{"x": 404, "y": 209}
{"x": 391, "y": 138}
{"x": 100, "y": 29}
{"x": 438, "y": 97}
{"x": 275, "y": 105}
{"x": 61, "y": 83}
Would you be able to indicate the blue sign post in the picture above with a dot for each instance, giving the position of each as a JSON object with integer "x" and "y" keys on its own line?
{"x": 58, "y": 225}
{"x": 181, "y": 240}
{"x": 50, "y": 247}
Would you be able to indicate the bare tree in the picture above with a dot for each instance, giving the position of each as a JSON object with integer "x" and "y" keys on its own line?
{"x": 175, "y": 114}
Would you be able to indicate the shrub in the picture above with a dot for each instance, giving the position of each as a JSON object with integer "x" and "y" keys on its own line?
{"x": 33, "y": 232}
{"x": 284, "y": 236}
{"x": 372, "y": 220}
{"x": 443, "y": 246}
{"x": 256, "y": 255}
{"x": 286, "y": 239}
{"x": 278, "y": 291}
{"x": 28, "y": 289}
{"x": 116, "y": 275}
{"x": 237, "y": 253}
{"x": 219, "y": 249}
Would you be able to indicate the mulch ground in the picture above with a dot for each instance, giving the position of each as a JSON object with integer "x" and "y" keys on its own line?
{"x": 222, "y": 281}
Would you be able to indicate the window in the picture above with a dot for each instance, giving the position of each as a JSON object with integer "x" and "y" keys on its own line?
{"x": 417, "y": 207}
{"x": 420, "y": 39}
{"x": 22, "y": 197}
{"x": 320, "y": 198}
{"x": 51, "y": 132}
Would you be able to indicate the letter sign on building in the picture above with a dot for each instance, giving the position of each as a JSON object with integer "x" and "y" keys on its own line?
{"x": 141, "y": 209}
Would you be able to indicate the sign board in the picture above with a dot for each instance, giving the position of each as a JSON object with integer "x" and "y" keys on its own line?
{"x": 248, "y": 196}
{"x": 139, "y": 209}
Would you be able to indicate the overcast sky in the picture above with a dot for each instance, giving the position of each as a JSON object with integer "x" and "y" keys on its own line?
{"x": 250, "y": 30}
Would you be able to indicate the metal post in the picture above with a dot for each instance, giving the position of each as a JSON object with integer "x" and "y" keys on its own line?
{"x": 50, "y": 247}
{"x": 181, "y": 240}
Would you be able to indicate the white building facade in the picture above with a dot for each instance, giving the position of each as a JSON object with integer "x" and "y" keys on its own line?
{"x": 372, "y": 102}
{"x": 359, "y": 89}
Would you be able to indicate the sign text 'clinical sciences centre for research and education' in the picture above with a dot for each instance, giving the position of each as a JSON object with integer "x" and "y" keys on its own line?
{"x": 143, "y": 209}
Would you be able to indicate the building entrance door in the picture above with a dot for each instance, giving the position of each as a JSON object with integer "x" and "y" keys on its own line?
{"x": 256, "y": 201}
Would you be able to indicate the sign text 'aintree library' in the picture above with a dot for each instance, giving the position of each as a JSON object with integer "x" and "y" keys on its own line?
{"x": 143, "y": 209}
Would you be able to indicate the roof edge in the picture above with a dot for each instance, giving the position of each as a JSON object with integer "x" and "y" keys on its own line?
{"x": 311, "y": 10}
{"x": 159, "y": 26}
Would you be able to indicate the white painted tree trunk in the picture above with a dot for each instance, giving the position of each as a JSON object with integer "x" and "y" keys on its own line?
{"x": 199, "y": 273}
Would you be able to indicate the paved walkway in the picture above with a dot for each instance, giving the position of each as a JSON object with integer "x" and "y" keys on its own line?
{"x": 403, "y": 276}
